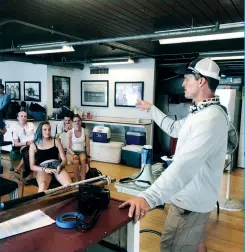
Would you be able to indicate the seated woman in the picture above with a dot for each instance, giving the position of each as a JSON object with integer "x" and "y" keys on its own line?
{"x": 45, "y": 154}
{"x": 23, "y": 136}
{"x": 78, "y": 147}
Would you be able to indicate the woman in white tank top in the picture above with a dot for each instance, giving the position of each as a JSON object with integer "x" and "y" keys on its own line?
{"x": 78, "y": 147}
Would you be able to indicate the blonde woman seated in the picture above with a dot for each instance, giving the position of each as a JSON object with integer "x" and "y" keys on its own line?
{"x": 78, "y": 147}
{"x": 47, "y": 158}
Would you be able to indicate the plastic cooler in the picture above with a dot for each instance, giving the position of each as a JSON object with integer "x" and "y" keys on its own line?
{"x": 131, "y": 155}
{"x": 135, "y": 138}
{"x": 101, "y": 134}
{"x": 106, "y": 152}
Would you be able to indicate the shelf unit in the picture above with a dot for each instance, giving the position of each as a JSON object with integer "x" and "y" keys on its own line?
{"x": 118, "y": 127}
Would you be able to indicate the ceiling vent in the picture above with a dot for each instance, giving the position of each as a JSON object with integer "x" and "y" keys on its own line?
{"x": 99, "y": 70}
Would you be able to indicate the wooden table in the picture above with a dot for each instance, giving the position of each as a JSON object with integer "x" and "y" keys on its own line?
{"x": 52, "y": 238}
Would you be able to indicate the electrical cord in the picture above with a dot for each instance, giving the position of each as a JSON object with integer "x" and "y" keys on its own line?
{"x": 161, "y": 207}
{"x": 150, "y": 231}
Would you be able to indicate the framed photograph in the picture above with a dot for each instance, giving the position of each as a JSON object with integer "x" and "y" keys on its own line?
{"x": 95, "y": 93}
{"x": 127, "y": 93}
{"x": 32, "y": 91}
{"x": 61, "y": 91}
{"x": 12, "y": 88}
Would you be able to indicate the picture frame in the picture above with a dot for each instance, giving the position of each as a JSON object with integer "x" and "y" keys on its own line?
{"x": 32, "y": 91}
{"x": 61, "y": 91}
{"x": 12, "y": 88}
{"x": 127, "y": 93}
{"x": 95, "y": 93}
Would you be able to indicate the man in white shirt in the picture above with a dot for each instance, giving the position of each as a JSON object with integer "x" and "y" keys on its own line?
{"x": 192, "y": 181}
{"x": 23, "y": 136}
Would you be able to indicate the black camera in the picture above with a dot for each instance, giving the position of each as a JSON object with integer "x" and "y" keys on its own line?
{"x": 92, "y": 201}
{"x": 92, "y": 197}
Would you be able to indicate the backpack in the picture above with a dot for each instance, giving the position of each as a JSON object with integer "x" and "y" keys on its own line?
{"x": 13, "y": 110}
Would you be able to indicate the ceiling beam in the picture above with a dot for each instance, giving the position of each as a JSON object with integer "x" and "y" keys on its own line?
{"x": 4, "y": 57}
{"x": 122, "y": 47}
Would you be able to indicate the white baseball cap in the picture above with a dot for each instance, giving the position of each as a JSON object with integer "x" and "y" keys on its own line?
{"x": 205, "y": 67}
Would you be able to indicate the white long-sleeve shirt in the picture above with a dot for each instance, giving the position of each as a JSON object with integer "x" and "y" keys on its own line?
{"x": 192, "y": 181}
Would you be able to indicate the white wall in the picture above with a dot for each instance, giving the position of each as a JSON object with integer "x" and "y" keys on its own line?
{"x": 144, "y": 70}
{"x": 75, "y": 78}
{"x": 18, "y": 71}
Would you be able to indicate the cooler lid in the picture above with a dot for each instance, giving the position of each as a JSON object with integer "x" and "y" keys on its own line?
{"x": 133, "y": 133}
{"x": 134, "y": 148}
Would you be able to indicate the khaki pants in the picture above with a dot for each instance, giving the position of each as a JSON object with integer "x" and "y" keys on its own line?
{"x": 183, "y": 230}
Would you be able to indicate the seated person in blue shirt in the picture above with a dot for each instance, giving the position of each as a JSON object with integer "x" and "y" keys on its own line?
{"x": 4, "y": 101}
{"x": 2, "y": 130}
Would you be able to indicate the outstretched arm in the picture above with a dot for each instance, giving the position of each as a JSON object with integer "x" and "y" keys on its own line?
{"x": 168, "y": 125}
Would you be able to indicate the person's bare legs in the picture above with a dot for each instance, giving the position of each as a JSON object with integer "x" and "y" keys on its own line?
{"x": 63, "y": 177}
{"x": 19, "y": 167}
{"x": 82, "y": 158}
{"x": 75, "y": 167}
{"x": 43, "y": 181}
{"x": 202, "y": 247}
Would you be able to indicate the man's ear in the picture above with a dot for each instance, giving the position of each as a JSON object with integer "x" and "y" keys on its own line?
{"x": 202, "y": 82}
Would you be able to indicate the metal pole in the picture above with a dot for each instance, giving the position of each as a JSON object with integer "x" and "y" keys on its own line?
{"x": 179, "y": 32}
{"x": 115, "y": 45}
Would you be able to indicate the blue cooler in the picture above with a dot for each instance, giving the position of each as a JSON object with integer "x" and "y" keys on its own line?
{"x": 101, "y": 134}
{"x": 131, "y": 155}
{"x": 136, "y": 138}
{"x": 39, "y": 116}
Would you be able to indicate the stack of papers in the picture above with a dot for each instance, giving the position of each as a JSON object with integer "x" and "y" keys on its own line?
{"x": 24, "y": 223}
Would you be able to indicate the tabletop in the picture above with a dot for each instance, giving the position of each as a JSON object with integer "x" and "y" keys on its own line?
{"x": 52, "y": 238}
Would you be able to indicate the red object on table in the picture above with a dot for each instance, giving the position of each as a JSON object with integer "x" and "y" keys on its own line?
{"x": 53, "y": 238}
{"x": 89, "y": 116}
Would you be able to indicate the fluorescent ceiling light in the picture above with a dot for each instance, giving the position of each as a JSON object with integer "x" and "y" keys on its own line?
{"x": 129, "y": 61}
{"x": 228, "y": 57}
{"x": 58, "y": 50}
{"x": 189, "y": 39}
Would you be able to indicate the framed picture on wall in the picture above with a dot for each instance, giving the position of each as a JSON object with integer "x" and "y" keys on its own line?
{"x": 61, "y": 91}
{"x": 127, "y": 93}
{"x": 32, "y": 91}
{"x": 95, "y": 93}
{"x": 12, "y": 88}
